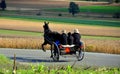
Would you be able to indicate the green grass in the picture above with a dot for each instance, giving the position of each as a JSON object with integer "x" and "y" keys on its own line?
{"x": 68, "y": 70}
{"x": 107, "y": 23}
{"x": 5, "y": 65}
{"x": 6, "y": 68}
{"x": 101, "y": 37}
{"x": 4, "y": 59}
{"x": 42, "y": 69}
{"x": 23, "y": 33}
{"x": 92, "y": 9}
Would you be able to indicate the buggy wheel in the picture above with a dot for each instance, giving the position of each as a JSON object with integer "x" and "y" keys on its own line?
{"x": 55, "y": 53}
{"x": 80, "y": 53}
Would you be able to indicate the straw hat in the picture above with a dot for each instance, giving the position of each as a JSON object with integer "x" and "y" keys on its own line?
{"x": 63, "y": 31}
{"x": 76, "y": 31}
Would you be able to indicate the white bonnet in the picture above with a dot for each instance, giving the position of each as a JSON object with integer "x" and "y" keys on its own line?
{"x": 76, "y": 31}
{"x": 63, "y": 31}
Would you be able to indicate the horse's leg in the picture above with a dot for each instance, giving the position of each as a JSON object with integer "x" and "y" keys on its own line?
{"x": 43, "y": 46}
{"x": 51, "y": 50}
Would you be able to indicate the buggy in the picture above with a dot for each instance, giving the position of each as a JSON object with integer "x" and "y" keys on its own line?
{"x": 51, "y": 37}
{"x": 59, "y": 49}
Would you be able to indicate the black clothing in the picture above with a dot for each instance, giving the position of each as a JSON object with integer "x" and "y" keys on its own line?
{"x": 70, "y": 39}
{"x": 63, "y": 39}
{"x": 77, "y": 38}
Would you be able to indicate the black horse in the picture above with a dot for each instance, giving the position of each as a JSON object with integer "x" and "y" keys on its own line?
{"x": 49, "y": 37}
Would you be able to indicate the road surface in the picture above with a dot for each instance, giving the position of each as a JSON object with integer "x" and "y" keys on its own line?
{"x": 38, "y": 56}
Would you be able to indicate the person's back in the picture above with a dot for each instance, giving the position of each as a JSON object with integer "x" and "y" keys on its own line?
{"x": 76, "y": 37}
{"x": 70, "y": 39}
{"x": 63, "y": 38}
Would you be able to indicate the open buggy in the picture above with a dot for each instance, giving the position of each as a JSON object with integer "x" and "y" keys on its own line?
{"x": 58, "y": 49}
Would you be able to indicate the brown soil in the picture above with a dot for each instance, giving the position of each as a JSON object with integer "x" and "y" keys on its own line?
{"x": 38, "y": 27}
{"x": 50, "y": 3}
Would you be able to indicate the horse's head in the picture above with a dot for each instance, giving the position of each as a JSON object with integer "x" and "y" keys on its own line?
{"x": 45, "y": 26}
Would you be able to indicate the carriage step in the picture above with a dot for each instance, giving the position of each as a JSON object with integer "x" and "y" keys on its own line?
{"x": 68, "y": 56}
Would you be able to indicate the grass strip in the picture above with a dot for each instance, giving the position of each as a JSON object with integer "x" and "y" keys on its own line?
{"x": 5, "y": 65}
{"x": 90, "y": 9}
{"x": 67, "y": 20}
{"x": 100, "y": 37}
{"x": 23, "y": 33}
{"x": 4, "y": 60}
{"x": 42, "y": 69}
{"x": 26, "y": 33}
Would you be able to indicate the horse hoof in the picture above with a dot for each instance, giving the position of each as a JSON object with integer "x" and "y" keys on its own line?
{"x": 44, "y": 50}
{"x": 51, "y": 56}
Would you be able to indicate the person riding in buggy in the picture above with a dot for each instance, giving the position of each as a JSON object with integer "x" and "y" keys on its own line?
{"x": 59, "y": 45}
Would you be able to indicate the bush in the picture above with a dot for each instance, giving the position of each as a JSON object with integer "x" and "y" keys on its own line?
{"x": 38, "y": 14}
{"x": 116, "y": 15}
{"x": 117, "y": 1}
{"x": 59, "y": 14}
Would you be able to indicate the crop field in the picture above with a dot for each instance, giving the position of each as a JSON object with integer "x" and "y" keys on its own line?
{"x": 92, "y": 45}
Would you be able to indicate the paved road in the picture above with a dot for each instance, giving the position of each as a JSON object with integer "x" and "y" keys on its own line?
{"x": 38, "y": 56}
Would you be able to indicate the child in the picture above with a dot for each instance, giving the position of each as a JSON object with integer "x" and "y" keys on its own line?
{"x": 70, "y": 39}
{"x": 64, "y": 37}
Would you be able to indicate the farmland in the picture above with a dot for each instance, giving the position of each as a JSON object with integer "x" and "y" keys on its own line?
{"x": 28, "y": 34}
{"x": 23, "y": 29}
{"x": 85, "y": 29}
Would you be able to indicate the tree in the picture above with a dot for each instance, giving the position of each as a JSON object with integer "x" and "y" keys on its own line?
{"x": 117, "y": 1}
{"x": 73, "y": 8}
{"x": 3, "y": 5}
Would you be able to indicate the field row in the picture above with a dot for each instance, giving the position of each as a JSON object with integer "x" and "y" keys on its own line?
{"x": 92, "y": 45}
{"x": 37, "y": 26}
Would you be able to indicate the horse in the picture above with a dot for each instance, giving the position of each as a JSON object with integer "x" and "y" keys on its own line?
{"x": 49, "y": 37}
